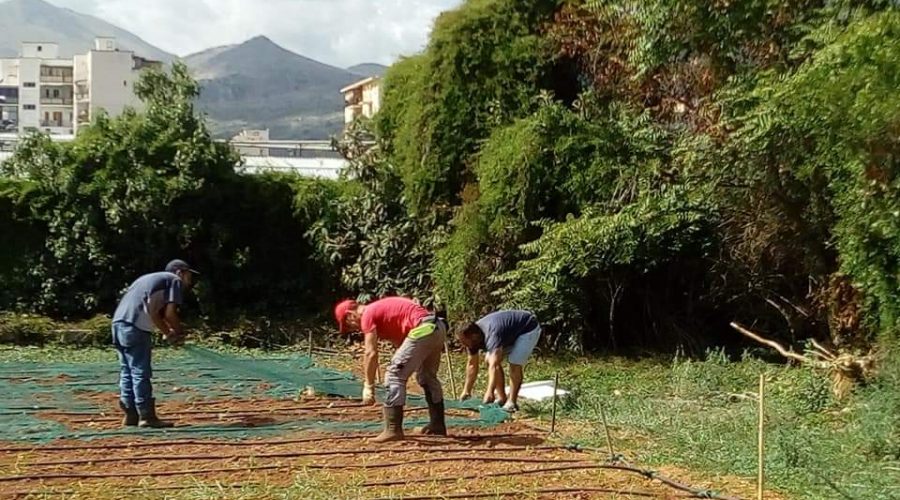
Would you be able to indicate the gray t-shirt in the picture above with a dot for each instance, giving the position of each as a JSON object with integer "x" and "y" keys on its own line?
{"x": 502, "y": 328}
{"x": 149, "y": 294}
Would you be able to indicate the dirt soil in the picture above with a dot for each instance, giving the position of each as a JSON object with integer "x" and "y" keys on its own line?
{"x": 230, "y": 412}
{"x": 511, "y": 460}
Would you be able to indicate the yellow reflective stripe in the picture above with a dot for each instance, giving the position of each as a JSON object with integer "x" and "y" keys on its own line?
{"x": 423, "y": 330}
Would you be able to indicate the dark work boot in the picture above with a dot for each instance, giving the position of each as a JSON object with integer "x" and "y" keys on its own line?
{"x": 436, "y": 425}
{"x": 148, "y": 418}
{"x": 131, "y": 415}
{"x": 393, "y": 425}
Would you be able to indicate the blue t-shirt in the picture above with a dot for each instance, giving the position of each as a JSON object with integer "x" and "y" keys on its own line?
{"x": 149, "y": 294}
{"x": 502, "y": 328}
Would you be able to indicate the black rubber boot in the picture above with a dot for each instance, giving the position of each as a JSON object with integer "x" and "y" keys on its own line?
{"x": 436, "y": 425}
{"x": 393, "y": 425}
{"x": 148, "y": 418}
{"x": 131, "y": 415}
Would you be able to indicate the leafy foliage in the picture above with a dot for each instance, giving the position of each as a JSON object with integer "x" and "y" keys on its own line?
{"x": 130, "y": 193}
{"x": 832, "y": 126}
{"x": 581, "y": 265}
{"x": 483, "y": 64}
{"x": 367, "y": 235}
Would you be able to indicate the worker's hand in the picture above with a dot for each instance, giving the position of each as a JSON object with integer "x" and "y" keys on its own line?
{"x": 175, "y": 338}
{"x": 465, "y": 396}
{"x": 368, "y": 394}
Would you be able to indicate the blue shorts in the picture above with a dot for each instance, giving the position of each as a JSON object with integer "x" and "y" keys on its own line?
{"x": 521, "y": 350}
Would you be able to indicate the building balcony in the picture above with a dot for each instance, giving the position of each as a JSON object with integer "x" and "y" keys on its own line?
{"x": 56, "y": 79}
{"x": 55, "y": 124}
{"x": 57, "y": 101}
{"x": 353, "y": 98}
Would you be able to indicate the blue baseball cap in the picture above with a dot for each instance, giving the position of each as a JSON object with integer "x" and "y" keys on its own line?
{"x": 179, "y": 265}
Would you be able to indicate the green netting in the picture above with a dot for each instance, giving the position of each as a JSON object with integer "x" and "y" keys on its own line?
{"x": 194, "y": 374}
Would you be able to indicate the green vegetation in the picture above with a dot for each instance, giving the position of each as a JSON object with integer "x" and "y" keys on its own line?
{"x": 702, "y": 415}
{"x": 639, "y": 173}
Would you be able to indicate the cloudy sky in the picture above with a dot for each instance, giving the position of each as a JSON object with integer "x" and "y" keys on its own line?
{"x": 338, "y": 32}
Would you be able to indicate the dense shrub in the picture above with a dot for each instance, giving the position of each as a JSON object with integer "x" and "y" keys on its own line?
{"x": 658, "y": 168}
{"x": 130, "y": 193}
{"x": 484, "y": 63}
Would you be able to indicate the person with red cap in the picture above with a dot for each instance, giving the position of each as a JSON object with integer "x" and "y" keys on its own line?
{"x": 419, "y": 338}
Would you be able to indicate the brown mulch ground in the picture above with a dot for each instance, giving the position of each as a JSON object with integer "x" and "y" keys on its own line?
{"x": 230, "y": 412}
{"x": 511, "y": 460}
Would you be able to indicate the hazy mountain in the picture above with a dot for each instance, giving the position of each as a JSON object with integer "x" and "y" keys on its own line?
{"x": 255, "y": 84}
{"x": 200, "y": 60}
{"x": 39, "y": 21}
{"x": 258, "y": 84}
{"x": 368, "y": 69}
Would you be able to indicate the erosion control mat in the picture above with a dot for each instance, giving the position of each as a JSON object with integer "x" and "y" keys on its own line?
{"x": 253, "y": 397}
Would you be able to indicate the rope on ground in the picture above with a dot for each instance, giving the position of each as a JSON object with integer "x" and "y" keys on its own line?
{"x": 294, "y": 454}
{"x": 192, "y": 472}
{"x": 28, "y": 493}
{"x": 619, "y": 462}
{"x": 585, "y": 466}
{"x": 520, "y": 493}
{"x": 442, "y": 479}
{"x": 206, "y": 442}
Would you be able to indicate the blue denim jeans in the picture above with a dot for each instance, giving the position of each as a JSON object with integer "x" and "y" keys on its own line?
{"x": 134, "y": 346}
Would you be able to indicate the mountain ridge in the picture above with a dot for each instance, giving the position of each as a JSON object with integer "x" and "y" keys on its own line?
{"x": 38, "y": 20}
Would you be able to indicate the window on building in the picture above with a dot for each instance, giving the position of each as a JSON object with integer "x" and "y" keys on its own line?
{"x": 28, "y": 106}
{"x": 55, "y": 92}
{"x": 28, "y": 84}
{"x": 40, "y": 48}
{"x": 124, "y": 83}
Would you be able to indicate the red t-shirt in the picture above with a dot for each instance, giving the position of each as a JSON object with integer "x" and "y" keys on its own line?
{"x": 392, "y": 318}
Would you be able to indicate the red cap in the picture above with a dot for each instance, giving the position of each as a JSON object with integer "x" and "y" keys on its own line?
{"x": 340, "y": 313}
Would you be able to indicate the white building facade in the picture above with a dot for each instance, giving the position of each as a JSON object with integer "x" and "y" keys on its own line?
{"x": 362, "y": 99}
{"x": 39, "y": 91}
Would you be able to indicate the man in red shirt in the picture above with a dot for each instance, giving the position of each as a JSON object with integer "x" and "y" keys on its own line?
{"x": 419, "y": 337}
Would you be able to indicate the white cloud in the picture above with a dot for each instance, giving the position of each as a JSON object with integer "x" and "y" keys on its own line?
{"x": 339, "y": 32}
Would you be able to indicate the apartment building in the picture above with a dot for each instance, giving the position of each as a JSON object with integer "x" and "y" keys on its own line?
{"x": 362, "y": 98}
{"x": 104, "y": 80}
{"x": 37, "y": 90}
{"x": 41, "y": 91}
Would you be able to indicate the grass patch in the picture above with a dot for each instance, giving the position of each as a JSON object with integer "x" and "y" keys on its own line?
{"x": 702, "y": 415}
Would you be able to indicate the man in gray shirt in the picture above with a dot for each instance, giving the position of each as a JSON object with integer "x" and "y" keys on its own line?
{"x": 503, "y": 333}
{"x": 150, "y": 302}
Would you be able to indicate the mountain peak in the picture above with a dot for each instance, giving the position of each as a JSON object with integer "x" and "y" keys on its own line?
{"x": 260, "y": 39}
{"x": 368, "y": 69}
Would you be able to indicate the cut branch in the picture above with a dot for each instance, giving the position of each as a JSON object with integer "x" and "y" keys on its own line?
{"x": 774, "y": 345}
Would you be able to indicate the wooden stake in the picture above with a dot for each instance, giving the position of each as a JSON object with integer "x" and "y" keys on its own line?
{"x": 609, "y": 445}
{"x": 450, "y": 368}
{"x": 761, "y": 442}
{"x": 309, "y": 347}
{"x": 553, "y": 415}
